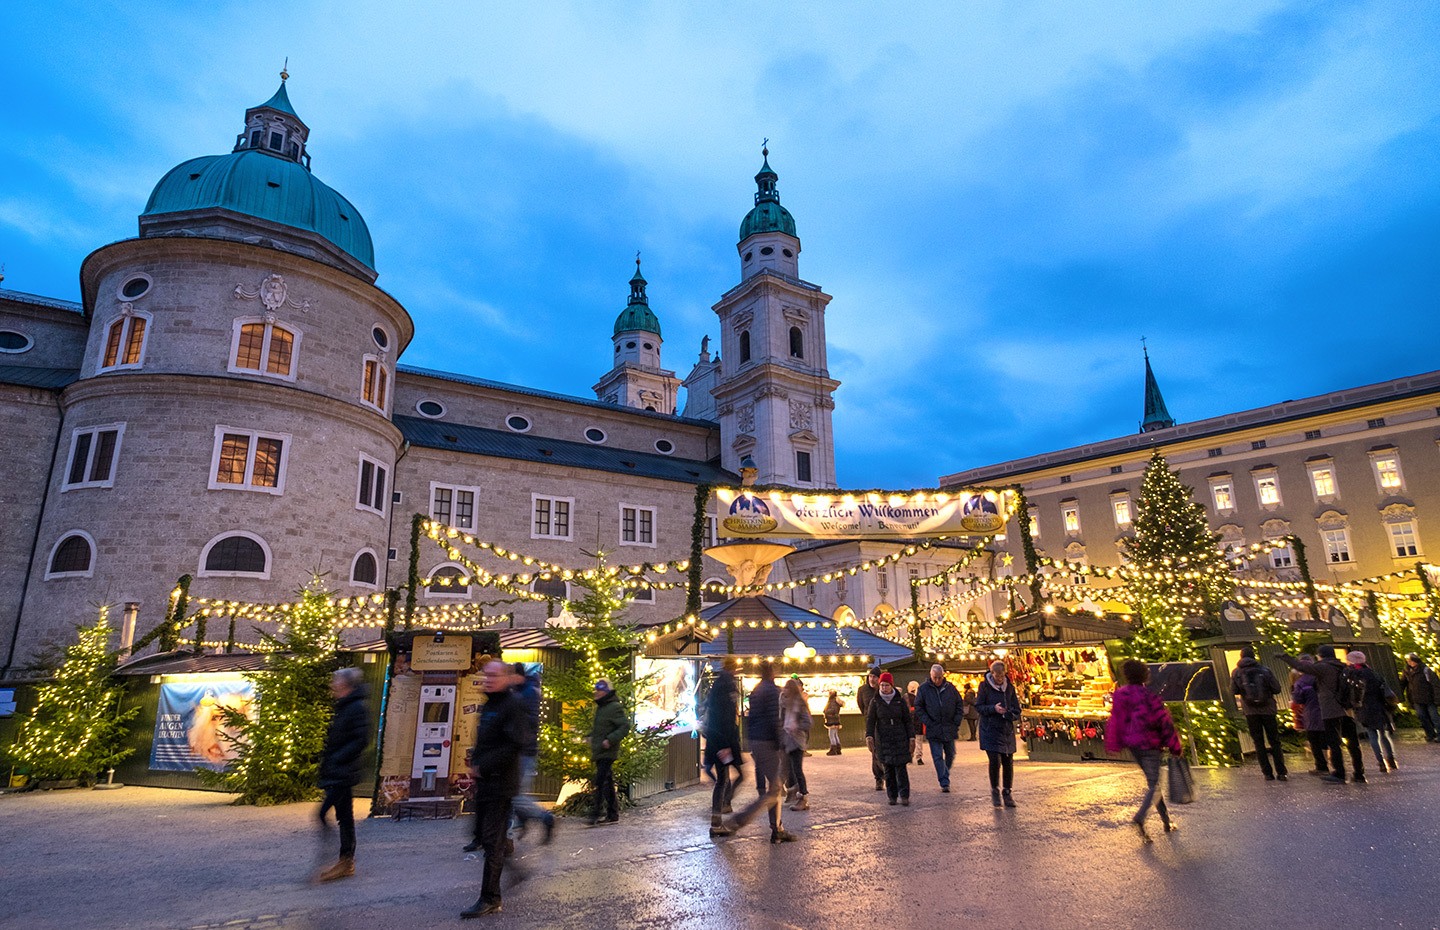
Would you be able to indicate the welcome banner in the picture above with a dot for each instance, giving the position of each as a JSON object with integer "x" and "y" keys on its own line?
{"x": 773, "y": 514}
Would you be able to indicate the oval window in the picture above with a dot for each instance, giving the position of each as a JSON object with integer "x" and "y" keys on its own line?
{"x": 382, "y": 339}
{"x": 664, "y": 446}
{"x": 767, "y": 251}
{"x": 787, "y": 253}
{"x": 649, "y": 346}
{"x": 430, "y": 408}
{"x": 749, "y": 255}
{"x": 595, "y": 435}
{"x": 135, "y": 287}
{"x": 629, "y": 345}
{"x": 518, "y": 423}
{"x": 11, "y": 341}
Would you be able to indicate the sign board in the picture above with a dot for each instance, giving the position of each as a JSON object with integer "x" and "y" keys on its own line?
{"x": 192, "y": 729}
{"x": 452, "y": 654}
{"x": 746, "y": 515}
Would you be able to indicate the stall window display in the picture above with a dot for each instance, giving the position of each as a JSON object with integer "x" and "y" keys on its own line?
{"x": 817, "y": 689}
{"x": 666, "y": 693}
{"x": 1065, "y": 692}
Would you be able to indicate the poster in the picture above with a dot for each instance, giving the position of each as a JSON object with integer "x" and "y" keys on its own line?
{"x": 190, "y": 727}
{"x": 666, "y": 689}
{"x": 756, "y": 516}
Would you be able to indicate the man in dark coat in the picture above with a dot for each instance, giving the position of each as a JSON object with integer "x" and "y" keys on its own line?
{"x": 890, "y": 735}
{"x": 762, "y": 732}
{"x": 340, "y": 763}
{"x": 527, "y": 691}
{"x": 863, "y": 696}
{"x": 939, "y": 708}
{"x": 501, "y": 735}
{"x": 722, "y": 744}
{"x": 1330, "y": 686}
{"x": 1422, "y": 692}
{"x": 611, "y": 724}
{"x": 1256, "y": 686}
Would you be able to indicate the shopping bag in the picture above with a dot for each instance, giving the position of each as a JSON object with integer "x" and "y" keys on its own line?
{"x": 1181, "y": 787}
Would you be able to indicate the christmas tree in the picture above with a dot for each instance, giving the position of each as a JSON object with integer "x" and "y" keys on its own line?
{"x": 278, "y": 752}
{"x": 603, "y": 646}
{"x": 77, "y": 729}
{"x": 1181, "y": 570}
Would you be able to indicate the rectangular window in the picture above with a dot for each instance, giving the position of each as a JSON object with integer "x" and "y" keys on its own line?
{"x": 637, "y": 526}
{"x": 371, "y": 493}
{"x": 551, "y": 517}
{"x": 1403, "y": 540}
{"x": 1070, "y": 516}
{"x": 642, "y": 594}
{"x": 453, "y": 505}
{"x": 249, "y": 461}
{"x": 1224, "y": 494}
{"x": 1337, "y": 545}
{"x": 1257, "y": 445}
{"x": 1282, "y": 557}
{"x": 1064, "y": 479}
{"x": 92, "y": 457}
{"x": 1323, "y": 478}
{"x": 1116, "y": 469}
{"x": 1121, "y": 506}
{"x": 375, "y": 389}
{"x": 1214, "y": 453}
{"x": 802, "y": 466}
{"x": 1375, "y": 423}
{"x": 1267, "y": 489}
{"x": 1387, "y": 473}
{"x": 1312, "y": 434}
{"x": 264, "y": 348}
{"x": 1034, "y": 527}
{"x": 712, "y": 531}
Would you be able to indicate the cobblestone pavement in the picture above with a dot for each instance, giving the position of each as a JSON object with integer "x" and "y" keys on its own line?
{"x": 1248, "y": 854}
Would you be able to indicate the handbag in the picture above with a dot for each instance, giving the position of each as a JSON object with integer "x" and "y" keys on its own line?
{"x": 1180, "y": 787}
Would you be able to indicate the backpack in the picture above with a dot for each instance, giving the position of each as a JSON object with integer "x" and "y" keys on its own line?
{"x": 1253, "y": 687}
{"x": 1349, "y": 689}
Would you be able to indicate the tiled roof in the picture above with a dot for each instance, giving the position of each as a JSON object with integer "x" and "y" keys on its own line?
{"x": 36, "y": 299}
{"x": 186, "y": 663}
{"x": 476, "y": 440}
{"x": 826, "y": 641}
{"x": 49, "y": 378}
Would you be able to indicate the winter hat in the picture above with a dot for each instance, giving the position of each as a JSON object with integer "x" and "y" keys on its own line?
{"x": 603, "y": 685}
{"x": 1355, "y": 657}
{"x": 1326, "y": 652}
{"x": 886, "y": 678}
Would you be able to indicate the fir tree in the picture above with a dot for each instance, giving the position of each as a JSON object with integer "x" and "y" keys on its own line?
{"x": 77, "y": 729}
{"x": 278, "y": 752}
{"x": 603, "y": 646}
{"x": 1273, "y": 630}
{"x": 1188, "y": 575}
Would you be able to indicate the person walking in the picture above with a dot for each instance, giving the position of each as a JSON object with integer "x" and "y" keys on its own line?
{"x": 1140, "y": 723}
{"x": 610, "y": 726}
{"x": 999, "y": 708}
{"x": 527, "y": 691}
{"x": 722, "y": 744}
{"x": 911, "y": 690}
{"x": 1305, "y": 692}
{"x": 501, "y": 736}
{"x": 1333, "y": 691}
{"x": 1372, "y": 709}
{"x": 1422, "y": 692}
{"x": 832, "y": 722}
{"x": 795, "y": 722}
{"x": 864, "y": 696}
{"x": 940, "y": 709}
{"x": 972, "y": 716}
{"x": 1255, "y": 687}
{"x": 890, "y": 736}
{"x": 340, "y": 764}
{"x": 762, "y": 732}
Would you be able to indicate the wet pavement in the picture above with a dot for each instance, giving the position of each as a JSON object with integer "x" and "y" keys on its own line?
{"x": 1248, "y": 854}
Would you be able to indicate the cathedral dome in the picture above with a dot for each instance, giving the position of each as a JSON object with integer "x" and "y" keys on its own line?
{"x": 637, "y": 317}
{"x": 767, "y": 215}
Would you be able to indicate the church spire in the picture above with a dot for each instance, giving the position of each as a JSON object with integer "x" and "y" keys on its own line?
{"x": 765, "y": 191}
{"x": 637, "y": 286}
{"x": 1156, "y": 415}
{"x": 273, "y": 127}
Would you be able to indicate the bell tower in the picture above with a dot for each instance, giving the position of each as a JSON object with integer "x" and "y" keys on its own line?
{"x": 637, "y": 380}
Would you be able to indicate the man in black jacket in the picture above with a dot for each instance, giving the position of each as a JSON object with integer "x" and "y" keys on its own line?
{"x": 1422, "y": 691}
{"x": 863, "y": 696}
{"x": 500, "y": 736}
{"x": 939, "y": 708}
{"x": 340, "y": 764}
{"x": 1256, "y": 686}
{"x": 762, "y": 732}
{"x": 722, "y": 744}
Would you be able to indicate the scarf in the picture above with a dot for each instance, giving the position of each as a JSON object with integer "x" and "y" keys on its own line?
{"x": 887, "y": 698}
{"x": 1000, "y": 685}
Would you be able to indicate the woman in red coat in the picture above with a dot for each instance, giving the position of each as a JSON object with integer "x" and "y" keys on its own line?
{"x": 1140, "y": 723}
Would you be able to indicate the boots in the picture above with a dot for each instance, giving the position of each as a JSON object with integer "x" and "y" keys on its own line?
{"x": 718, "y": 827}
{"x": 802, "y": 803}
{"x": 1165, "y": 817}
{"x": 995, "y": 796}
{"x": 343, "y": 868}
{"x": 1140, "y": 828}
{"x": 1005, "y": 796}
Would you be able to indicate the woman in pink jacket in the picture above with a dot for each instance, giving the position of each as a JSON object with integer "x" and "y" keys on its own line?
{"x": 1140, "y": 723}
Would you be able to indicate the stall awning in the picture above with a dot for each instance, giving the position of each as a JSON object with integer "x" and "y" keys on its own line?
{"x": 189, "y": 663}
{"x": 825, "y": 640}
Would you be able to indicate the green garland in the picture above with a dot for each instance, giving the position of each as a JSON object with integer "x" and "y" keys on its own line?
{"x": 230, "y": 639}
{"x": 412, "y": 581}
{"x": 392, "y": 604}
{"x": 1027, "y": 544}
{"x": 1298, "y": 548}
{"x": 695, "y": 578}
{"x": 167, "y": 631}
{"x": 916, "y": 642}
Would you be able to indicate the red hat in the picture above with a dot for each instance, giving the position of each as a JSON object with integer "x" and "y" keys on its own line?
{"x": 886, "y": 678}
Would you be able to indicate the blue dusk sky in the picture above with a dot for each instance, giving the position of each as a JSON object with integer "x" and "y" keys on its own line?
{"x": 1003, "y": 198}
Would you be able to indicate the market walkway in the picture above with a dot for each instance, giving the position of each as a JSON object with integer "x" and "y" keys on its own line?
{"x": 1249, "y": 854}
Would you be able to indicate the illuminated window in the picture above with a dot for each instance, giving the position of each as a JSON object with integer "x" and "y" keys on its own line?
{"x": 264, "y": 348}
{"x": 1403, "y": 540}
{"x": 1034, "y": 527}
{"x": 1223, "y": 493}
{"x": 453, "y": 506}
{"x": 637, "y": 526}
{"x": 93, "y": 453}
{"x": 1387, "y": 472}
{"x": 1267, "y": 489}
{"x": 375, "y": 390}
{"x": 551, "y": 517}
{"x": 248, "y": 461}
{"x": 125, "y": 342}
{"x": 1070, "y": 516}
{"x": 1337, "y": 545}
{"x": 1121, "y": 506}
{"x": 1322, "y": 477}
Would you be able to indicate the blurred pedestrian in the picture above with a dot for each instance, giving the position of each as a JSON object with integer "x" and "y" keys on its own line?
{"x": 1256, "y": 687}
{"x": 911, "y": 690}
{"x": 1372, "y": 709}
{"x": 1140, "y": 723}
{"x": 940, "y": 709}
{"x": 340, "y": 763}
{"x": 999, "y": 708}
{"x": 722, "y": 744}
{"x": 864, "y": 697}
{"x": 972, "y": 716}
{"x": 611, "y": 724}
{"x": 795, "y": 723}
{"x": 1332, "y": 686}
{"x": 1422, "y": 692}
{"x": 832, "y": 722}
{"x": 890, "y": 736}
{"x": 1305, "y": 691}
{"x": 762, "y": 732}
{"x": 501, "y": 735}
{"x": 527, "y": 689}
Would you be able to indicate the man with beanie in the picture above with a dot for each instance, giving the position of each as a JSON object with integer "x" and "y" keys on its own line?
{"x": 939, "y": 709}
{"x": 1332, "y": 687}
{"x": 1422, "y": 692}
{"x": 1255, "y": 687}
{"x": 863, "y": 696}
{"x": 610, "y": 726}
{"x": 762, "y": 732}
{"x": 500, "y": 737}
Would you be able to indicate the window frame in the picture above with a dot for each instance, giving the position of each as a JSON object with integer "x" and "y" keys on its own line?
{"x": 455, "y": 490}
{"x": 203, "y": 572}
{"x": 89, "y": 571}
{"x": 126, "y": 322}
{"x": 1414, "y": 532}
{"x": 809, "y": 460}
{"x": 569, "y": 518}
{"x": 92, "y": 431}
{"x": 1274, "y": 554}
{"x": 1070, "y": 508}
{"x": 220, "y": 432}
{"x": 1116, "y": 502}
{"x": 1376, "y": 457}
{"x": 1325, "y": 542}
{"x": 376, "y": 467}
{"x": 1312, "y": 469}
{"x": 375, "y": 557}
{"x": 1228, "y": 483}
{"x": 461, "y": 592}
{"x": 712, "y": 530}
{"x": 374, "y": 381}
{"x": 654, "y": 525}
{"x": 270, "y": 326}
{"x": 1272, "y": 475}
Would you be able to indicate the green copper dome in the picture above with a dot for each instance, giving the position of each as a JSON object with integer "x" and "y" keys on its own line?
{"x": 637, "y": 317}
{"x": 767, "y": 215}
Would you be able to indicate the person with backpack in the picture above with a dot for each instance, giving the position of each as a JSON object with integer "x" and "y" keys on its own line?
{"x": 1140, "y": 723}
{"x": 1305, "y": 694}
{"x": 1256, "y": 687}
{"x": 1422, "y": 692}
{"x": 1336, "y": 701}
{"x": 1373, "y": 701}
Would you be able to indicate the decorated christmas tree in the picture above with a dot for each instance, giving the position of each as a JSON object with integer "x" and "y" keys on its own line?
{"x": 603, "y": 646}
{"x": 278, "y": 751}
{"x": 1182, "y": 571}
{"x": 77, "y": 729}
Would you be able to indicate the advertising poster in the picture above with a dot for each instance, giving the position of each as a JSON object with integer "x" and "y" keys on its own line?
{"x": 666, "y": 690}
{"x": 402, "y": 710}
{"x": 190, "y": 727}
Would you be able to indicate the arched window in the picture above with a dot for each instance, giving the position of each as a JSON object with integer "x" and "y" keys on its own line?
{"x": 744, "y": 346}
{"x": 554, "y": 589}
{"x": 125, "y": 342}
{"x": 73, "y": 555}
{"x": 797, "y": 343}
{"x": 708, "y": 596}
{"x": 445, "y": 582}
{"x": 236, "y": 555}
{"x": 264, "y": 348}
{"x": 365, "y": 570}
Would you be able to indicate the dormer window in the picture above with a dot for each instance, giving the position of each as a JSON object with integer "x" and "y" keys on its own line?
{"x": 277, "y": 141}
{"x": 255, "y": 139}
